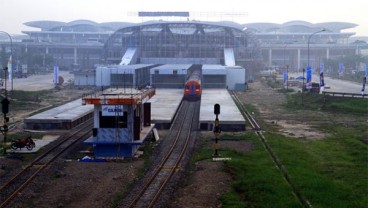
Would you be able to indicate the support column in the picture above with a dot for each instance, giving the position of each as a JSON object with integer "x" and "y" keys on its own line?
{"x": 298, "y": 59}
{"x": 75, "y": 56}
{"x": 270, "y": 57}
{"x": 327, "y": 53}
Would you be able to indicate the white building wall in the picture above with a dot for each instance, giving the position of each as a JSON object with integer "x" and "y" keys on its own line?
{"x": 235, "y": 78}
{"x": 169, "y": 69}
{"x": 103, "y": 76}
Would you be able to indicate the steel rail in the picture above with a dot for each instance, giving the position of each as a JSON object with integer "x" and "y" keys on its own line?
{"x": 161, "y": 165}
{"x": 302, "y": 200}
{"x": 36, "y": 162}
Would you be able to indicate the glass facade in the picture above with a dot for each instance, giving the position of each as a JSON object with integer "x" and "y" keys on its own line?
{"x": 175, "y": 42}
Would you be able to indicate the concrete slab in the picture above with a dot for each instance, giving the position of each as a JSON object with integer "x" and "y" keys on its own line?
{"x": 65, "y": 116}
{"x": 39, "y": 143}
{"x": 230, "y": 117}
{"x": 69, "y": 112}
{"x": 164, "y": 106}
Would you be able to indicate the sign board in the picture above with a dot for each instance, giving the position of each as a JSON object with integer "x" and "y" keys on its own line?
{"x": 112, "y": 110}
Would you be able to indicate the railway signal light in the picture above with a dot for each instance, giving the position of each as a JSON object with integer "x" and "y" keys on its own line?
{"x": 5, "y": 105}
{"x": 216, "y": 129}
{"x": 217, "y": 109}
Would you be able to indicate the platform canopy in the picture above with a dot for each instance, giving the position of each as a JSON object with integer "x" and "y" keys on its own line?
{"x": 119, "y": 97}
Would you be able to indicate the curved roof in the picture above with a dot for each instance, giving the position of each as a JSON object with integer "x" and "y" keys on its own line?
{"x": 298, "y": 26}
{"x": 76, "y": 25}
{"x": 188, "y": 24}
{"x": 44, "y": 25}
{"x": 218, "y": 24}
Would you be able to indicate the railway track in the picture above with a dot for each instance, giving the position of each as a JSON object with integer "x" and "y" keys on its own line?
{"x": 15, "y": 185}
{"x": 180, "y": 135}
{"x": 255, "y": 126}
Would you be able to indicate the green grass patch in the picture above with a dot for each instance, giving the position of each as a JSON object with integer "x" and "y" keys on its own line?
{"x": 328, "y": 173}
{"x": 257, "y": 182}
{"x": 274, "y": 83}
{"x": 283, "y": 90}
{"x": 116, "y": 199}
{"x": 348, "y": 105}
{"x": 298, "y": 101}
{"x": 251, "y": 109}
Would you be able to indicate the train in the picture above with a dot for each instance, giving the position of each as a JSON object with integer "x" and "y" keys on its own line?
{"x": 193, "y": 87}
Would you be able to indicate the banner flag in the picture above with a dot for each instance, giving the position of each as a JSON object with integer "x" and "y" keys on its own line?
{"x": 285, "y": 78}
{"x": 56, "y": 75}
{"x": 10, "y": 69}
{"x": 321, "y": 80}
{"x": 309, "y": 74}
{"x": 322, "y": 67}
{"x": 341, "y": 68}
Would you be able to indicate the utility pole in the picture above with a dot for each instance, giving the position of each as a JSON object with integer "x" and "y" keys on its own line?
{"x": 5, "y": 109}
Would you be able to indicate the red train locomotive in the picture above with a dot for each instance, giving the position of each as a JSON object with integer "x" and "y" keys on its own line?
{"x": 192, "y": 87}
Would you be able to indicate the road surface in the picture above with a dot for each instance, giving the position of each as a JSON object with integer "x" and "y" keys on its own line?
{"x": 336, "y": 85}
{"x": 37, "y": 82}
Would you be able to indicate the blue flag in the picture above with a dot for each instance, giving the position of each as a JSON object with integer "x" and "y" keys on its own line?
{"x": 309, "y": 74}
{"x": 366, "y": 69}
{"x": 341, "y": 68}
{"x": 56, "y": 75}
{"x": 322, "y": 67}
{"x": 285, "y": 76}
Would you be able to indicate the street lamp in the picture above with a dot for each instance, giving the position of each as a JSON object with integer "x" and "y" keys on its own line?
{"x": 11, "y": 55}
{"x": 310, "y": 36}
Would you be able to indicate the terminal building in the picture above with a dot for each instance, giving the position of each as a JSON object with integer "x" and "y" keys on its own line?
{"x": 84, "y": 44}
{"x": 296, "y": 43}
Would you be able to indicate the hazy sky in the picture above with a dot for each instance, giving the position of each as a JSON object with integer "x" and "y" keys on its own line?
{"x": 14, "y": 13}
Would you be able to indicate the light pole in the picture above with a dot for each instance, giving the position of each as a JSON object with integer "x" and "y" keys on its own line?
{"x": 5, "y": 101}
{"x": 287, "y": 66}
{"x": 310, "y": 36}
{"x": 11, "y": 55}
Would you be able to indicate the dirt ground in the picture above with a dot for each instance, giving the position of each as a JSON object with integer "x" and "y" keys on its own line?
{"x": 81, "y": 184}
{"x": 76, "y": 184}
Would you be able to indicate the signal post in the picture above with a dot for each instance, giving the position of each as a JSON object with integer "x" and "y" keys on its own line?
{"x": 216, "y": 129}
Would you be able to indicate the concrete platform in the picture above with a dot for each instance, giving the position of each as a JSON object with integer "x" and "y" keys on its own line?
{"x": 230, "y": 117}
{"x": 164, "y": 105}
{"x": 39, "y": 143}
{"x": 66, "y": 116}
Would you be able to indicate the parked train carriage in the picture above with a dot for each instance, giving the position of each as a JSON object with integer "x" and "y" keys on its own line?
{"x": 193, "y": 87}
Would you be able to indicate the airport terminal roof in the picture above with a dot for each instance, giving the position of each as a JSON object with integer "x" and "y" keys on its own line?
{"x": 298, "y": 27}
{"x": 295, "y": 26}
{"x": 91, "y": 26}
{"x": 77, "y": 25}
